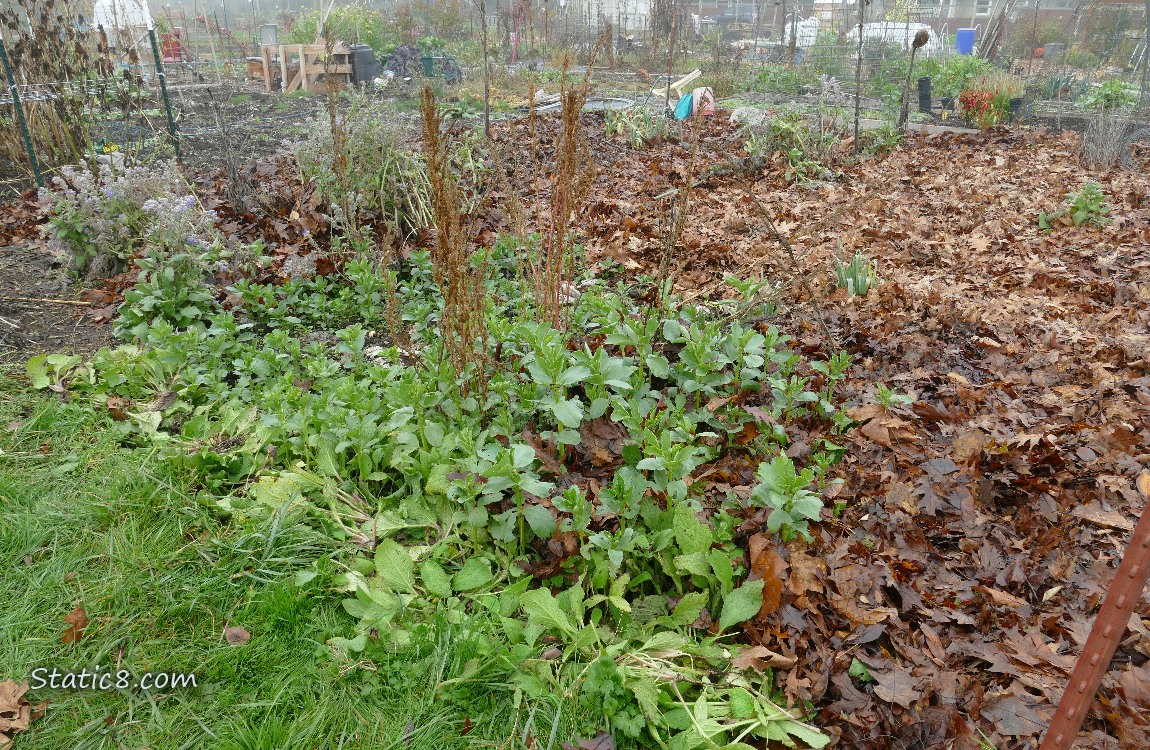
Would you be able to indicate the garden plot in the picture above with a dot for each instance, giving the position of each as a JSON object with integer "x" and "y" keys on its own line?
{"x": 669, "y": 482}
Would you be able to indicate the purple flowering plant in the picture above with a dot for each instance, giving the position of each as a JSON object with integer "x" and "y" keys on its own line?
{"x": 101, "y": 219}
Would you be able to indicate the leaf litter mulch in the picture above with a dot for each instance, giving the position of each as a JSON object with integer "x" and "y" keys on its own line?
{"x": 983, "y": 522}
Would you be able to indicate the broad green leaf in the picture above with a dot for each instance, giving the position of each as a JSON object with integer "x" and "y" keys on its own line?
{"x": 325, "y": 458}
{"x": 664, "y": 641}
{"x": 395, "y": 566}
{"x": 569, "y": 412}
{"x": 689, "y": 608}
{"x": 435, "y": 580}
{"x": 695, "y": 563}
{"x": 37, "y": 369}
{"x": 522, "y": 456}
{"x": 721, "y": 564}
{"x": 620, "y": 603}
{"x": 343, "y": 645}
{"x": 658, "y": 365}
{"x": 742, "y": 703}
{"x": 691, "y": 534}
{"x": 807, "y": 505}
{"x": 540, "y": 520}
{"x": 433, "y": 433}
{"x": 535, "y": 486}
{"x": 541, "y": 607}
{"x": 399, "y": 418}
{"x": 574, "y": 375}
{"x": 437, "y": 481}
{"x": 806, "y": 733}
{"x": 778, "y": 519}
{"x": 860, "y": 671}
{"x": 653, "y": 463}
{"x": 741, "y": 604}
{"x": 476, "y": 572}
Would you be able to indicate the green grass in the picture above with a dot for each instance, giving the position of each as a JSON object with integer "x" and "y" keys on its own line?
{"x": 85, "y": 521}
{"x": 240, "y": 99}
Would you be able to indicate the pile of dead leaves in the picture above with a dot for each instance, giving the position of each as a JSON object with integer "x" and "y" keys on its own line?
{"x": 23, "y": 218}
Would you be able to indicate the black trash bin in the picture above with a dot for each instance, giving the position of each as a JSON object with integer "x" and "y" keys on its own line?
{"x": 364, "y": 67}
{"x": 1016, "y": 108}
{"x": 924, "y": 94}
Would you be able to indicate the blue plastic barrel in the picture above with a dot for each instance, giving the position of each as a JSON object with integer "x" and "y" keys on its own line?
{"x": 964, "y": 41}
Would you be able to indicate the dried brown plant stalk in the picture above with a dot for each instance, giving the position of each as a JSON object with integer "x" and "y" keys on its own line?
{"x": 462, "y": 327}
{"x": 678, "y": 214}
{"x": 49, "y": 47}
{"x": 570, "y": 181}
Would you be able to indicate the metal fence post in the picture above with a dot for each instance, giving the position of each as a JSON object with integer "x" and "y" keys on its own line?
{"x": 15, "y": 91}
{"x": 1119, "y": 603}
{"x": 172, "y": 132}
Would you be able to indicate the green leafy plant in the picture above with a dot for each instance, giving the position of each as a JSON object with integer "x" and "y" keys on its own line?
{"x": 807, "y": 147}
{"x": 170, "y": 295}
{"x": 103, "y": 217}
{"x": 784, "y": 490}
{"x": 953, "y": 75}
{"x": 458, "y": 517}
{"x": 386, "y": 183}
{"x": 891, "y": 399}
{"x": 1112, "y": 96}
{"x": 638, "y": 124}
{"x": 881, "y": 140}
{"x": 1087, "y": 207}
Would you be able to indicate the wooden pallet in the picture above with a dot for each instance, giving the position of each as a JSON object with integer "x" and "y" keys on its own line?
{"x": 300, "y": 65}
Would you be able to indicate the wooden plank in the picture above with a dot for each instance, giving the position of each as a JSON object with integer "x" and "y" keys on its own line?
{"x": 283, "y": 67}
{"x": 266, "y": 55}
{"x": 314, "y": 68}
{"x": 295, "y": 82}
{"x": 303, "y": 66}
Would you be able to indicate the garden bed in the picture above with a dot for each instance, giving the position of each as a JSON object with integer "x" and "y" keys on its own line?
{"x": 988, "y": 431}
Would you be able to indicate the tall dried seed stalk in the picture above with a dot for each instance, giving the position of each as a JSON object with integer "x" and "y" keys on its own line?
{"x": 570, "y": 181}
{"x": 462, "y": 326}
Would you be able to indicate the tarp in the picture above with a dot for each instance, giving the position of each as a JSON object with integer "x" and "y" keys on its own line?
{"x": 121, "y": 14}
{"x": 900, "y": 34}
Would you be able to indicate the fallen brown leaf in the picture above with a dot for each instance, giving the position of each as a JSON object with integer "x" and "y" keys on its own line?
{"x": 1107, "y": 519}
{"x": 237, "y": 635}
{"x": 767, "y": 565}
{"x": 808, "y": 573}
{"x": 761, "y": 658}
{"x": 896, "y": 685}
{"x": 77, "y": 620}
{"x": 15, "y": 711}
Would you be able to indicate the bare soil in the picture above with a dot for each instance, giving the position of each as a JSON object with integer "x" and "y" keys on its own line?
{"x": 41, "y": 310}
